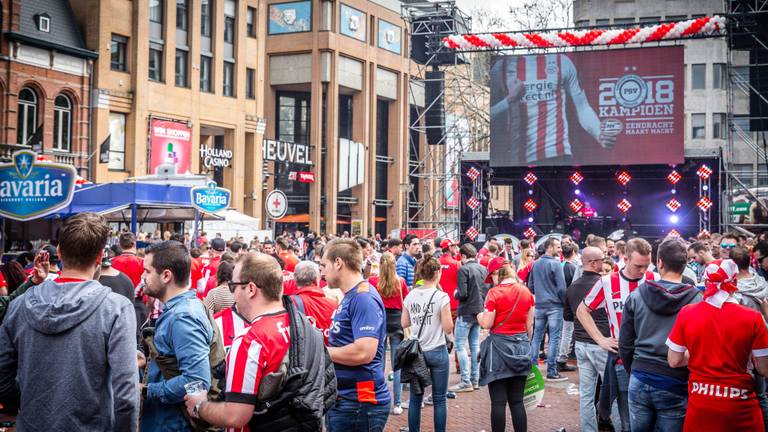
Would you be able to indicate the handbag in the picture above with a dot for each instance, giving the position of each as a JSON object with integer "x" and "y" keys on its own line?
{"x": 410, "y": 349}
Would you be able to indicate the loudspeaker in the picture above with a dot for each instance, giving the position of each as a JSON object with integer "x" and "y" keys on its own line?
{"x": 435, "y": 106}
{"x": 758, "y": 80}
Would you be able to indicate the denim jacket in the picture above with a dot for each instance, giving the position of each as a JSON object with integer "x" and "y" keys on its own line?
{"x": 183, "y": 331}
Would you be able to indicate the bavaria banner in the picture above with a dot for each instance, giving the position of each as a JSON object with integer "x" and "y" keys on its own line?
{"x": 612, "y": 107}
{"x": 170, "y": 145}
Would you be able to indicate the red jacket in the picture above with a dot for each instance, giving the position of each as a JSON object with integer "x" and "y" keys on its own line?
{"x": 449, "y": 277}
{"x": 131, "y": 265}
{"x": 317, "y": 307}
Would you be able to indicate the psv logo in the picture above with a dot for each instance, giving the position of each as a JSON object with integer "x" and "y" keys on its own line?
{"x": 618, "y": 305}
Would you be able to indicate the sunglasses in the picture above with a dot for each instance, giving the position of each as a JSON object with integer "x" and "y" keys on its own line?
{"x": 233, "y": 285}
{"x": 727, "y": 245}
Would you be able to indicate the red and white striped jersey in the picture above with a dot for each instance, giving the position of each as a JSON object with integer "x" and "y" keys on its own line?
{"x": 231, "y": 324}
{"x": 616, "y": 288}
{"x": 253, "y": 354}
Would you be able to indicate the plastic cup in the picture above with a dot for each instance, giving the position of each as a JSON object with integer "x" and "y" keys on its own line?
{"x": 195, "y": 387}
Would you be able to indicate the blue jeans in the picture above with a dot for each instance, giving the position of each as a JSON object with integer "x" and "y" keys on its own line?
{"x": 397, "y": 388}
{"x": 468, "y": 332}
{"x": 350, "y": 416}
{"x": 654, "y": 409}
{"x": 437, "y": 362}
{"x": 551, "y": 319}
{"x": 622, "y": 379}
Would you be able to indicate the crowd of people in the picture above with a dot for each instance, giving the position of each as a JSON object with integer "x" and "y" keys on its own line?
{"x": 116, "y": 331}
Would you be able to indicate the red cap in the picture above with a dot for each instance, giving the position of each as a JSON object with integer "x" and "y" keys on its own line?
{"x": 493, "y": 265}
{"x": 446, "y": 243}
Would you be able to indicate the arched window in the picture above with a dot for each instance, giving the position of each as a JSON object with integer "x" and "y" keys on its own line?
{"x": 62, "y": 123}
{"x": 27, "y": 120}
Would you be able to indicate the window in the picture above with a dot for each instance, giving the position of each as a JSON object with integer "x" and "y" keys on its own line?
{"x": 118, "y": 51}
{"x": 250, "y": 83}
{"x": 116, "y": 141}
{"x": 251, "y": 22}
{"x": 620, "y": 21}
{"x": 229, "y": 79}
{"x": 181, "y": 68}
{"x": 677, "y": 17}
{"x": 205, "y": 74}
{"x": 740, "y": 74}
{"x": 44, "y": 23}
{"x": 698, "y": 127}
{"x": 699, "y": 76}
{"x": 718, "y": 75}
{"x": 182, "y": 14}
{"x": 62, "y": 123}
{"x": 762, "y": 175}
{"x": 156, "y": 11}
{"x": 602, "y": 22}
{"x": 229, "y": 29}
{"x": 741, "y": 124}
{"x": 582, "y": 23}
{"x": 27, "y": 116}
{"x": 293, "y": 120}
{"x": 205, "y": 15}
{"x": 718, "y": 126}
{"x": 155, "y": 63}
{"x": 649, "y": 20}
{"x": 744, "y": 172}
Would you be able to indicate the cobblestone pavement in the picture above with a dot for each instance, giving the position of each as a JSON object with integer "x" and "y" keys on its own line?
{"x": 471, "y": 412}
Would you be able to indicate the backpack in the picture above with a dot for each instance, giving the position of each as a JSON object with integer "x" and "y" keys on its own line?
{"x": 169, "y": 368}
{"x": 297, "y": 396}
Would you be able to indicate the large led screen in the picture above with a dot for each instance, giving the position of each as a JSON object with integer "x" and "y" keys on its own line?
{"x": 614, "y": 107}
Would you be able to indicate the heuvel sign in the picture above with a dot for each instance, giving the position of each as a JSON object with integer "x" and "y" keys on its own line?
{"x": 283, "y": 151}
{"x": 31, "y": 189}
{"x": 210, "y": 199}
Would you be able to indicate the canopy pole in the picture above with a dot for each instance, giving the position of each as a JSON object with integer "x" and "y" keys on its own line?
{"x": 197, "y": 226}
{"x": 133, "y": 218}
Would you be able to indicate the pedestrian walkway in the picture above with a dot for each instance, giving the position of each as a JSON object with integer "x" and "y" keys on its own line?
{"x": 471, "y": 412}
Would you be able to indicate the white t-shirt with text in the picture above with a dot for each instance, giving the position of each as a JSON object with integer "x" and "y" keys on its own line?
{"x": 419, "y": 309}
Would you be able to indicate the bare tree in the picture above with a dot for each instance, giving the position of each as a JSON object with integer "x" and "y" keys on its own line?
{"x": 533, "y": 15}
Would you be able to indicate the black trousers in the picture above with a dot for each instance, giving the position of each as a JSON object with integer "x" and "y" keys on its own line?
{"x": 508, "y": 391}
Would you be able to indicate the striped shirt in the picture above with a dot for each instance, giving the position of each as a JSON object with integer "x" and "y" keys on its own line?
{"x": 231, "y": 325}
{"x": 617, "y": 288}
{"x": 219, "y": 299}
{"x": 255, "y": 353}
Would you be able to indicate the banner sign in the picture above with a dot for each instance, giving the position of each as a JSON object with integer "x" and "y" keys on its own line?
{"x": 389, "y": 36}
{"x": 276, "y": 204}
{"x": 215, "y": 157}
{"x": 615, "y": 107}
{"x": 283, "y": 151}
{"x": 210, "y": 198}
{"x": 306, "y": 177}
{"x": 31, "y": 189}
{"x": 290, "y": 17}
{"x": 740, "y": 208}
{"x": 352, "y": 22}
{"x": 170, "y": 145}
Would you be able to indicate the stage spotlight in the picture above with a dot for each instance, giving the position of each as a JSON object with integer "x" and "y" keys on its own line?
{"x": 530, "y": 178}
{"x": 577, "y": 192}
{"x": 624, "y": 205}
{"x": 705, "y": 188}
{"x": 623, "y": 178}
{"x": 674, "y": 191}
{"x": 704, "y": 172}
{"x": 530, "y": 219}
{"x": 530, "y": 191}
{"x": 674, "y": 219}
{"x": 674, "y": 177}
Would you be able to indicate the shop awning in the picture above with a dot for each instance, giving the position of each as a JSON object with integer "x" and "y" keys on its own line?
{"x": 294, "y": 218}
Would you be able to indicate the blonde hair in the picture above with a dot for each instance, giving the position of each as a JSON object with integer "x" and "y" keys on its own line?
{"x": 506, "y": 272}
{"x": 389, "y": 283}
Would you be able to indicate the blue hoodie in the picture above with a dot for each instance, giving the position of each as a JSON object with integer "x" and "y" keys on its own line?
{"x": 70, "y": 350}
{"x": 406, "y": 268}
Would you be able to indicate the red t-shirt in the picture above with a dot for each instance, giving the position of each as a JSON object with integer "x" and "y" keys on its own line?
{"x": 449, "y": 277}
{"x": 289, "y": 284}
{"x": 720, "y": 343}
{"x": 231, "y": 324}
{"x": 395, "y": 301}
{"x": 289, "y": 260}
{"x": 131, "y": 265}
{"x": 196, "y": 271}
{"x": 485, "y": 260}
{"x": 208, "y": 280}
{"x": 253, "y": 354}
{"x": 501, "y": 299}
{"x": 318, "y": 308}
{"x": 522, "y": 274}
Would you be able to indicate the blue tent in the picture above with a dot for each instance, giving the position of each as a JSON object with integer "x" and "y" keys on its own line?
{"x": 124, "y": 202}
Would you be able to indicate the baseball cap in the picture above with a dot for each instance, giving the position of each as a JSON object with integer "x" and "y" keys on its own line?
{"x": 494, "y": 265}
{"x": 446, "y": 243}
{"x": 218, "y": 244}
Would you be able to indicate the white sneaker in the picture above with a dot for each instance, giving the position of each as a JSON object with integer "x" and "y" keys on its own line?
{"x": 397, "y": 410}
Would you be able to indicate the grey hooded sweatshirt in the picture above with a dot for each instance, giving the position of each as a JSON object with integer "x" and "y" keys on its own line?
{"x": 68, "y": 350}
{"x": 751, "y": 291}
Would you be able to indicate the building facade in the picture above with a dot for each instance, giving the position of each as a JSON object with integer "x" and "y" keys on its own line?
{"x": 308, "y": 97}
{"x": 706, "y": 79}
{"x": 45, "y": 81}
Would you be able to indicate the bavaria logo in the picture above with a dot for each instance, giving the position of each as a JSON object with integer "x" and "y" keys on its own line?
{"x": 210, "y": 199}
{"x": 31, "y": 189}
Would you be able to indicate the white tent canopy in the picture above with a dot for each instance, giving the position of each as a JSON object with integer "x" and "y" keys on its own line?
{"x": 235, "y": 224}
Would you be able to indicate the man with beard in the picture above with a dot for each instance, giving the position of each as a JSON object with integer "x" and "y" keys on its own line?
{"x": 182, "y": 331}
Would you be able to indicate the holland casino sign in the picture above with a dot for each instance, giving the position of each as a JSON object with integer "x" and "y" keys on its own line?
{"x": 31, "y": 189}
{"x": 214, "y": 157}
{"x": 210, "y": 199}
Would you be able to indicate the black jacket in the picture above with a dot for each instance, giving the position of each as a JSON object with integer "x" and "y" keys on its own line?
{"x": 648, "y": 316}
{"x": 308, "y": 389}
{"x": 471, "y": 280}
{"x": 574, "y": 296}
